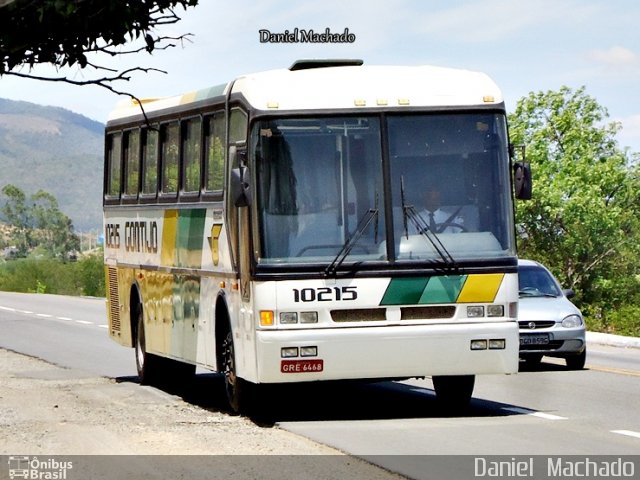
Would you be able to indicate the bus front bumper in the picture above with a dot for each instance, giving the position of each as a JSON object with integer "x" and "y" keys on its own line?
{"x": 386, "y": 352}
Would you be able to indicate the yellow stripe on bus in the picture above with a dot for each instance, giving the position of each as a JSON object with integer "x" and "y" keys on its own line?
{"x": 168, "y": 254}
{"x": 480, "y": 288}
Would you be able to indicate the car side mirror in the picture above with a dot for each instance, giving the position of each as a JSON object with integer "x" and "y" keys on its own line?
{"x": 569, "y": 293}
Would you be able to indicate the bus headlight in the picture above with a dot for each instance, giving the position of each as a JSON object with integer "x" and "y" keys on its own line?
{"x": 475, "y": 311}
{"x": 495, "y": 311}
{"x": 308, "y": 317}
{"x": 288, "y": 318}
{"x": 288, "y": 352}
{"x": 308, "y": 351}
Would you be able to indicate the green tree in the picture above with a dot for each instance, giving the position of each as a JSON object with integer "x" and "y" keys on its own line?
{"x": 583, "y": 219}
{"x": 15, "y": 212}
{"x": 54, "y": 228}
{"x": 80, "y": 33}
{"x": 38, "y": 223}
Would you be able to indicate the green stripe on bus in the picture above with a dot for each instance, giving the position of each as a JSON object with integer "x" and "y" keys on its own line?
{"x": 402, "y": 291}
{"x": 190, "y": 237}
{"x": 443, "y": 289}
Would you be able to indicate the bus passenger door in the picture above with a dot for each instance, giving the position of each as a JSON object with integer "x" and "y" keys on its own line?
{"x": 240, "y": 235}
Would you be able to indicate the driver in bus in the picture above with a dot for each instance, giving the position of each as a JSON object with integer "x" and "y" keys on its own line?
{"x": 437, "y": 218}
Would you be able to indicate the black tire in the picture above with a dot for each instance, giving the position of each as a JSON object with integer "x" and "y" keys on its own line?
{"x": 237, "y": 389}
{"x": 454, "y": 392}
{"x": 149, "y": 366}
{"x": 533, "y": 360}
{"x": 577, "y": 362}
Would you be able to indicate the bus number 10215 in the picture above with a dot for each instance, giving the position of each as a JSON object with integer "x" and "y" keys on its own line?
{"x": 324, "y": 294}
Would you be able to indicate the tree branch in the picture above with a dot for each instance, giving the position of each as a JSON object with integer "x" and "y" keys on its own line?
{"x": 104, "y": 82}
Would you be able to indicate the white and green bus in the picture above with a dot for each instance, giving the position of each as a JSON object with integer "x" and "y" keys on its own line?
{"x": 280, "y": 228}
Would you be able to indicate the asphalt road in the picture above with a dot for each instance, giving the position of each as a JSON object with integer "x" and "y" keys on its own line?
{"x": 547, "y": 411}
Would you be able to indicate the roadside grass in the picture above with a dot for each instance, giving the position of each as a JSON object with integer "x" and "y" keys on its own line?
{"x": 46, "y": 275}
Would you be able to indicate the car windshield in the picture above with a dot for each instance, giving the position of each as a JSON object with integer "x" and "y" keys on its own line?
{"x": 536, "y": 282}
{"x": 342, "y": 191}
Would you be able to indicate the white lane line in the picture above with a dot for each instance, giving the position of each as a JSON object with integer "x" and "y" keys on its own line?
{"x": 46, "y": 315}
{"x": 628, "y": 433}
{"x": 548, "y": 416}
{"x": 533, "y": 413}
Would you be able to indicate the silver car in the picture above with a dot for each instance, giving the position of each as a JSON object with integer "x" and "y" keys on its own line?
{"x": 549, "y": 323}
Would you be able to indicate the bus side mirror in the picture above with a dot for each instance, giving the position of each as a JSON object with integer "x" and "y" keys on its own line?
{"x": 240, "y": 181}
{"x": 522, "y": 180}
{"x": 522, "y": 186}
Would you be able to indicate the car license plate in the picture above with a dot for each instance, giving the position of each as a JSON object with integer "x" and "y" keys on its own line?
{"x": 301, "y": 366}
{"x": 538, "y": 339}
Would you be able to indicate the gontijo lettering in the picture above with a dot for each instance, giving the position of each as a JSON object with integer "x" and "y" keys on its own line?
{"x": 141, "y": 237}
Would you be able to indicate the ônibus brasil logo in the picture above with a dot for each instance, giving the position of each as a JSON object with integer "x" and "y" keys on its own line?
{"x": 34, "y": 468}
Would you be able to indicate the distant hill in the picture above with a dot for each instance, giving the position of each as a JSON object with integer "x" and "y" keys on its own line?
{"x": 56, "y": 150}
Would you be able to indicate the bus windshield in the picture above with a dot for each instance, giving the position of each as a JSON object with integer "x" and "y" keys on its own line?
{"x": 333, "y": 186}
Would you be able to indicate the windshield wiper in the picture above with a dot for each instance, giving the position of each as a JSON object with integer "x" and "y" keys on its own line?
{"x": 367, "y": 218}
{"x": 528, "y": 293}
{"x": 409, "y": 212}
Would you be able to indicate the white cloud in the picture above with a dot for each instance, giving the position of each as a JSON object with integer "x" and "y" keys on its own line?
{"x": 616, "y": 56}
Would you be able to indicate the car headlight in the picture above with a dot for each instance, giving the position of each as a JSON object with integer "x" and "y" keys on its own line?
{"x": 572, "y": 321}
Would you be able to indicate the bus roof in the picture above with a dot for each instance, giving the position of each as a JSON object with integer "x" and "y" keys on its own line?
{"x": 342, "y": 87}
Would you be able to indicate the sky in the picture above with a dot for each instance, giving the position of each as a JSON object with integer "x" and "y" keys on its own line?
{"x": 525, "y": 46}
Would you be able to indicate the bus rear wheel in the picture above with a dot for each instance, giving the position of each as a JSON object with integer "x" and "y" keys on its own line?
{"x": 453, "y": 392}
{"x": 147, "y": 364}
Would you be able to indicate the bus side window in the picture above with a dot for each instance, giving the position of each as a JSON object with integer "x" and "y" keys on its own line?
{"x": 237, "y": 126}
{"x": 170, "y": 154}
{"x": 214, "y": 153}
{"x": 191, "y": 138}
{"x": 150, "y": 162}
{"x": 132, "y": 163}
{"x": 114, "y": 165}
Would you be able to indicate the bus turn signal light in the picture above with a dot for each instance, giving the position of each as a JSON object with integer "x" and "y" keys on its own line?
{"x": 266, "y": 318}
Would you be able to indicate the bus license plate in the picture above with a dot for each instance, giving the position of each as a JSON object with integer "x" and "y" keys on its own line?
{"x": 540, "y": 339}
{"x": 301, "y": 366}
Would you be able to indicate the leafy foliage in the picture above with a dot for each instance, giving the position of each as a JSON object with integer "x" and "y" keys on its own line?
{"x": 48, "y": 275}
{"x": 68, "y": 33}
{"x": 38, "y": 223}
{"x": 583, "y": 221}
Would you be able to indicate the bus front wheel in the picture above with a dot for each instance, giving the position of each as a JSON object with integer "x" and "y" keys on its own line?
{"x": 453, "y": 392}
{"x": 236, "y": 388}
